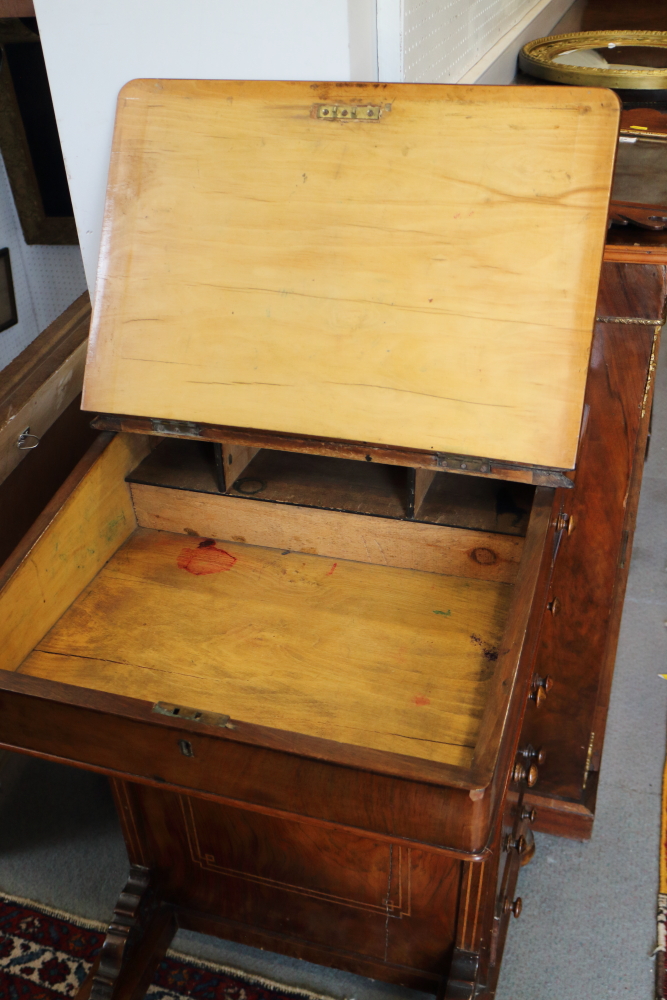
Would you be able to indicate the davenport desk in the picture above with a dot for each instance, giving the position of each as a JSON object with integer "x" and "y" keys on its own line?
{"x": 291, "y": 600}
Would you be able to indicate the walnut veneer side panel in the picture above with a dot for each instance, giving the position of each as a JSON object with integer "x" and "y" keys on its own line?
{"x": 343, "y": 893}
{"x": 337, "y": 897}
{"x": 383, "y": 281}
{"x": 578, "y": 644}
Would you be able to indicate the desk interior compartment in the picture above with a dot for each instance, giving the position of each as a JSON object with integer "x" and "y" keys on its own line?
{"x": 385, "y": 633}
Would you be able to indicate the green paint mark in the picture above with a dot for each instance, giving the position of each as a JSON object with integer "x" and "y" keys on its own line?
{"x": 445, "y": 613}
{"x": 113, "y": 526}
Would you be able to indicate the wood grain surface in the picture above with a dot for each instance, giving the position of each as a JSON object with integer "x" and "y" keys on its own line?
{"x": 368, "y": 655}
{"x": 432, "y": 548}
{"x": 83, "y": 533}
{"x": 383, "y": 281}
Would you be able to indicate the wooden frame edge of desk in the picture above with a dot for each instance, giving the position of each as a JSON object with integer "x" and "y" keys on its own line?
{"x": 622, "y": 253}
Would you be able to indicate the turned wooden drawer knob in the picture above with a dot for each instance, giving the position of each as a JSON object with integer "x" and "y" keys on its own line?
{"x": 515, "y": 907}
{"x": 529, "y": 814}
{"x": 541, "y": 688}
{"x": 520, "y": 844}
{"x": 554, "y": 606}
{"x": 534, "y": 756}
{"x": 565, "y": 522}
{"x": 527, "y": 774}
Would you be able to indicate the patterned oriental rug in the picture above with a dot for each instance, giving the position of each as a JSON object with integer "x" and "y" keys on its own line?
{"x": 46, "y": 954}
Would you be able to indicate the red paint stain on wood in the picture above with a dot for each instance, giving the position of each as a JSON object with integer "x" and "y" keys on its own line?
{"x": 206, "y": 558}
{"x": 331, "y": 570}
{"x": 419, "y": 699}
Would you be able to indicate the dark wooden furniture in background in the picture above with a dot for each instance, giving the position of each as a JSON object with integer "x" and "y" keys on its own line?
{"x": 8, "y": 314}
{"x": 578, "y": 643}
{"x": 579, "y": 635}
{"x": 41, "y": 395}
{"x": 29, "y": 137}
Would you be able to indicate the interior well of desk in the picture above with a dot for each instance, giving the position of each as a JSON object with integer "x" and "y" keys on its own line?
{"x": 375, "y": 656}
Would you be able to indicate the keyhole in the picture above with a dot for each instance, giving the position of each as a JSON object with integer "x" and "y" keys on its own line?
{"x": 186, "y": 748}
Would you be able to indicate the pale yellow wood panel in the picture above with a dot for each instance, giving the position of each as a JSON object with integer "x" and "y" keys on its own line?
{"x": 432, "y": 548}
{"x": 426, "y": 280}
{"x": 96, "y": 518}
{"x": 291, "y": 641}
{"x": 157, "y": 685}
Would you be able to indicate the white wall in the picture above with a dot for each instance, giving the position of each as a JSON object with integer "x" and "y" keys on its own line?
{"x": 459, "y": 41}
{"x": 93, "y": 47}
{"x": 46, "y": 279}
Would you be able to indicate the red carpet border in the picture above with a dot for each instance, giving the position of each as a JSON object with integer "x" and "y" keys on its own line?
{"x": 46, "y": 954}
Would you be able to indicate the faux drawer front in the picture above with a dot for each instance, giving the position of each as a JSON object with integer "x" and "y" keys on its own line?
{"x": 123, "y": 737}
{"x": 331, "y": 888}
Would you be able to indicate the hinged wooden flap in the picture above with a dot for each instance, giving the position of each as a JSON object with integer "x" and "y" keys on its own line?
{"x": 402, "y": 264}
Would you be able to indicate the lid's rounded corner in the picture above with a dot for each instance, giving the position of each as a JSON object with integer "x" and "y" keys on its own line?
{"x": 139, "y": 85}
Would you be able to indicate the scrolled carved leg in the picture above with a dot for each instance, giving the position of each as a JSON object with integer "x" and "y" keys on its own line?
{"x": 139, "y": 934}
{"x": 462, "y": 983}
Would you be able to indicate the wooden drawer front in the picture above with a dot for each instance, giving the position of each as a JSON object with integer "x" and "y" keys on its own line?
{"x": 499, "y": 915}
{"x": 122, "y": 737}
{"x": 328, "y": 887}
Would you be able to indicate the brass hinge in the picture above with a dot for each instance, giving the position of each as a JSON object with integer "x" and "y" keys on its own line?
{"x": 349, "y": 112}
{"x": 589, "y": 758}
{"x": 192, "y": 715}
{"x": 178, "y": 428}
{"x": 467, "y": 463}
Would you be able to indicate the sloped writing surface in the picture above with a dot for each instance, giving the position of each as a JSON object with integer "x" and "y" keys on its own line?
{"x": 424, "y": 280}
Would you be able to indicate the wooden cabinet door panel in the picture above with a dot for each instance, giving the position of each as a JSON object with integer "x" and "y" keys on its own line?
{"x": 327, "y": 887}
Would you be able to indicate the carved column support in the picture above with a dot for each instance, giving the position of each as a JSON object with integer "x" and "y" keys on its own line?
{"x": 139, "y": 934}
{"x": 462, "y": 982}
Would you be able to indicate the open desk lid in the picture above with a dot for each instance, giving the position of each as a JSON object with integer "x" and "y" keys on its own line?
{"x": 401, "y": 264}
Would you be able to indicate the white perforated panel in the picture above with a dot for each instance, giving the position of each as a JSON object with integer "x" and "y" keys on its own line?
{"x": 46, "y": 279}
{"x": 442, "y": 39}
